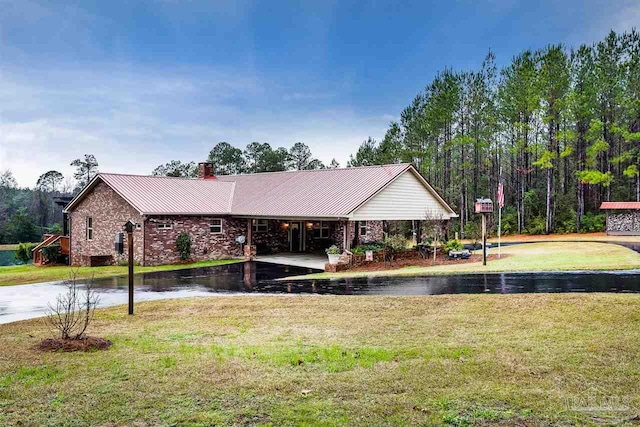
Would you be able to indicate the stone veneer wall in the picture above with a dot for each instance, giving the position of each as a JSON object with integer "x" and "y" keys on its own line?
{"x": 623, "y": 223}
{"x": 374, "y": 232}
{"x": 109, "y": 213}
{"x": 160, "y": 244}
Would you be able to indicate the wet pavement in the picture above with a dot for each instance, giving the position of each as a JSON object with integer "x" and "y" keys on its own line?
{"x": 28, "y": 301}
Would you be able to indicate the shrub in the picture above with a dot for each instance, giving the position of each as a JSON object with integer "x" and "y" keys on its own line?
{"x": 453, "y": 245}
{"x": 473, "y": 231}
{"x": 537, "y": 225}
{"x": 73, "y": 311}
{"x": 333, "y": 250}
{"x": 183, "y": 244}
{"x": 373, "y": 246}
{"x": 51, "y": 253}
{"x": 509, "y": 221}
{"x": 393, "y": 245}
{"x": 566, "y": 222}
{"x": 24, "y": 252}
{"x": 592, "y": 223}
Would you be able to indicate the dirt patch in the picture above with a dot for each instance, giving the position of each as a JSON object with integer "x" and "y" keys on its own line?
{"x": 84, "y": 344}
{"x": 421, "y": 262}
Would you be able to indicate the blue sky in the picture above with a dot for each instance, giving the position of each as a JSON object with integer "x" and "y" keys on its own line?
{"x": 139, "y": 83}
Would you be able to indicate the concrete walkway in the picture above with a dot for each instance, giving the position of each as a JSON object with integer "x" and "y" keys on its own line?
{"x": 307, "y": 260}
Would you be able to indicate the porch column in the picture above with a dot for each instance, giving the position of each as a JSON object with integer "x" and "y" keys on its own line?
{"x": 249, "y": 247}
{"x": 345, "y": 236}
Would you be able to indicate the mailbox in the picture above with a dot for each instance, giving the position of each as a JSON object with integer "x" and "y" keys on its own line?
{"x": 120, "y": 243}
{"x": 130, "y": 226}
{"x": 484, "y": 206}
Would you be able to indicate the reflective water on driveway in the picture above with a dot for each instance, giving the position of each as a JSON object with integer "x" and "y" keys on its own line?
{"x": 28, "y": 301}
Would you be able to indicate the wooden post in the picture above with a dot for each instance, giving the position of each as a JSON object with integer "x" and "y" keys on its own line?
{"x": 129, "y": 227}
{"x": 130, "y": 241}
{"x": 484, "y": 239}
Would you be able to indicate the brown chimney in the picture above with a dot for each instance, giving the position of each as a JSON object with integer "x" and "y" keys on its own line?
{"x": 205, "y": 170}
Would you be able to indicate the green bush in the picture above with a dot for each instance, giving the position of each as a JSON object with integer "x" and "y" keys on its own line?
{"x": 537, "y": 225}
{"x": 183, "y": 244}
{"x": 24, "y": 252}
{"x": 509, "y": 220}
{"x": 453, "y": 245}
{"x": 473, "y": 231}
{"x": 51, "y": 253}
{"x": 393, "y": 245}
{"x": 592, "y": 223}
{"x": 566, "y": 222}
{"x": 55, "y": 228}
{"x": 373, "y": 246}
{"x": 333, "y": 250}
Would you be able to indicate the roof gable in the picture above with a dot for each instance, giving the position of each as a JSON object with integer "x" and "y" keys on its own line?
{"x": 407, "y": 197}
{"x": 314, "y": 193}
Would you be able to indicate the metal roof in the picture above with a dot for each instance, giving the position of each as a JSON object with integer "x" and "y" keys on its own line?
{"x": 158, "y": 195}
{"x": 619, "y": 205}
{"x": 324, "y": 193}
{"x": 313, "y": 193}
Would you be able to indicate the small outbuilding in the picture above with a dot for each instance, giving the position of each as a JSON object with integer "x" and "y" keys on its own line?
{"x": 623, "y": 218}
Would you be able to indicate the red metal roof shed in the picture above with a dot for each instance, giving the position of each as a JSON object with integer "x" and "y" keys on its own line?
{"x": 619, "y": 205}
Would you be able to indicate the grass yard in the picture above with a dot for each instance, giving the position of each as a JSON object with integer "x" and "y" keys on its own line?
{"x": 569, "y": 237}
{"x": 543, "y": 256}
{"x": 23, "y": 274}
{"x": 535, "y": 359}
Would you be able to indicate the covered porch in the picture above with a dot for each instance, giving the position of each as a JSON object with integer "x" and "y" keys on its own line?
{"x": 273, "y": 236}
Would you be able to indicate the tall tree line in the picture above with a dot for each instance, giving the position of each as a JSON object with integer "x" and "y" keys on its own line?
{"x": 256, "y": 157}
{"x": 561, "y": 124}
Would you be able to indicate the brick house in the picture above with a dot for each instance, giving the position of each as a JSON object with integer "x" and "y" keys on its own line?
{"x": 293, "y": 211}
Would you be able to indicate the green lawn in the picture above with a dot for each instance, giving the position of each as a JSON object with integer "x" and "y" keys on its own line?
{"x": 23, "y": 274}
{"x": 544, "y": 256}
{"x": 536, "y": 359}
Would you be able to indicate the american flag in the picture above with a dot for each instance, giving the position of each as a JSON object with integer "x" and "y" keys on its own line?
{"x": 500, "y": 193}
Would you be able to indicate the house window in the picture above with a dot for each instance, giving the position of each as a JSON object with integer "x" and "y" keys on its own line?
{"x": 216, "y": 226}
{"x": 320, "y": 230}
{"x": 164, "y": 226}
{"x": 89, "y": 228}
{"x": 261, "y": 225}
{"x": 363, "y": 228}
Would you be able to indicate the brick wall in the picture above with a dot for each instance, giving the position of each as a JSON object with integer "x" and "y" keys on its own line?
{"x": 158, "y": 245}
{"x": 109, "y": 213}
{"x": 274, "y": 240}
{"x": 161, "y": 248}
{"x": 374, "y": 232}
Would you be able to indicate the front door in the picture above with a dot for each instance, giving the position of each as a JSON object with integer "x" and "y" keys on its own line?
{"x": 296, "y": 237}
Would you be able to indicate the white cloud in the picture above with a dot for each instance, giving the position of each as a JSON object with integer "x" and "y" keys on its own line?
{"x": 134, "y": 119}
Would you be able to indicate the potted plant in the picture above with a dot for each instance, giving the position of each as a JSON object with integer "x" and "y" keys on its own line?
{"x": 333, "y": 252}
